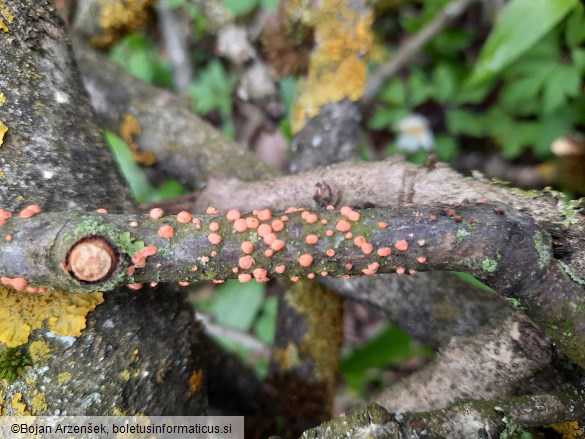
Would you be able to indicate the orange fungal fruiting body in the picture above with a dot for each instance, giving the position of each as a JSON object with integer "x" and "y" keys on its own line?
{"x": 343, "y": 226}
{"x": 211, "y": 211}
{"x": 401, "y": 245}
{"x": 156, "y": 213}
{"x": 166, "y": 231}
{"x": 214, "y": 238}
{"x": 312, "y": 239}
{"x": 306, "y": 260}
{"x": 184, "y": 217}
{"x": 246, "y": 262}
{"x": 247, "y": 247}
{"x": 233, "y": 215}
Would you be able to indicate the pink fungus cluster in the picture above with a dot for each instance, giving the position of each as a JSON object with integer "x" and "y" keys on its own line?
{"x": 4, "y": 215}
{"x": 372, "y": 269}
{"x": 233, "y": 215}
{"x": 211, "y": 211}
{"x": 30, "y": 211}
{"x": 18, "y": 283}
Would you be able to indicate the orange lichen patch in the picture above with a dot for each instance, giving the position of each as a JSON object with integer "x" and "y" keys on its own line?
{"x": 233, "y": 215}
{"x": 264, "y": 215}
{"x": 277, "y": 225}
{"x": 401, "y": 245}
{"x": 400, "y": 271}
{"x": 367, "y": 248}
{"x": 264, "y": 229}
{"x": 306, "y": 260}
{"x": 214, "y": 238}
{"x": 166, "y": 231}
{"x": 421, "y": 259}
{"x": 3, "y": 128}
{"x": 312, "y": 239}
{"x": 64, "y": 313}
{"x": 260, "y": 275}
{"x": 246, "y": 262}
{"x": 120, "y": 17}
{"x": 280, "y": 269}
{"x": 184, "y": 217}
{"x": 129, "y": 130}
{"x": 384, "y": 252}
{"x": 329, "y": 232}
{"x": 252, "y": 223}
{"x": 277, "y": 245}
{"x": 244, "y": 277}
{"x": 214, "y": 226}
{"x": 135, "y": 287}
{"x": 343, "y": 226}
{"x": 196, "y": 381}
{"x": 247, "y": 247}
{"x": 338, "y": 64}
{"x": 211, "y": 211}
{"x": 240, "y": 225}
{"x": 372, "y": 269}
{"x": 382, "y": 224}
{"x": 156, "y": 213}
{"x": 330, "y": 252}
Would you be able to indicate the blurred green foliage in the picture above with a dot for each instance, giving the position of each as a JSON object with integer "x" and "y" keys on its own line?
{"x": 522, "y": 92}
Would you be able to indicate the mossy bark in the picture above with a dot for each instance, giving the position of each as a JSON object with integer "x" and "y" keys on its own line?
{"x": 53, "y": 155}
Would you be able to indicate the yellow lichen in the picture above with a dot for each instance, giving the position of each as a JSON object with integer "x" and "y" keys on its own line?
{"x": 17, "y": 405}
{"x": 22, "y": 313}
{"x": 63, "y": 377}
{"x": 287, "y": 358}
{"x": 3, "y": 130}
{"x": 39, "y": 352}
{"x": 5, "y": 12}
{"x": 196, "y": 381}
{"x": 129, "y": 129}
{"x": 568, "y": 430}
{"x": 38, "y": 403}
{"x": 2, "y": 98}
{"x": 337, "y": 68}
{"x": 1, "y": 403}
{"x": 118, "y": 17}
{"x": 125, "y": 375}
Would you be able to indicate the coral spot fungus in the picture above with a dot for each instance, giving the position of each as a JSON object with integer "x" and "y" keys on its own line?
{"x": 306, "y": 260}
{"x": 166, "y": 231}
{"x": 280, "y": 269}
{"x": 312, "y": 239}
{"x": 240, "y": 225}
{"x": 247, "y": 247}
{"x": 184, "y": 217}
{"x": 30, "y": 211}
{"x": 156, "y": 213}
{"x": 384, "y": 251}
{"x": 401, "y": 245}
{"x": 244, "y": 277}
{"x": 214, "y": 226}
{"x": 233, "y": 215}
{"x": 211, "y": 211}
{"x": 343, "y": 226}
{"x": 246, "y": 262}
{"x": 264, "y": 215}
{"x": 214, "y": 238}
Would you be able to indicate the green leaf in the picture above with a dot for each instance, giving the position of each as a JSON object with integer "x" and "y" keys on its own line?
{"x": 444, "y": 81}
{"x": 241, "y": 7}
{"x": 385, "y": 118}
{"x": 551, "y": 127}
{"x": 237, "y": 304}
{"x": 465, "y": 122}
{"x": 393, "y": 92}
{"x": 521, "y": 24}
{"x": 522, "y": 96}
{"x": 288, "y": 90}
{"x": 265, "y": 327}
{"x": 173, "y": 4}
{"x": 578, "y": 57}
{"x": 564, "y": 83}
{"x": 472, "y": 280}
{"x": 271, "y": 5}
{"x": 213, "y": 90}
{"x": 420, "y": 89}
{"x": 575, "y": 30}
{"x": 446, "y": 148}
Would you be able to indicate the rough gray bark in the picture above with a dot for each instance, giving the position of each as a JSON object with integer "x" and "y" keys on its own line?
{"x": 54, "y": 155}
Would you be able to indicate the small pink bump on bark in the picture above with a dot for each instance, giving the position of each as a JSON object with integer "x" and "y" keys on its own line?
{"x": 294, "y": 278}
{"x": 348, "y": 235}
{"x": 372, "y": 269}
{"x": 421, "y": 242}
{"x": 204, "y": 259}
{"x": 346, "y": 276}
{"x": 401, "y": 245}
{"x": 195, "y": 268}
{"x": 264, "y": 229}
{"x": 312, "y": 239}
{"x": 26, "y": 213}
{"x": 329, "y": 232}
{"x": 330, "y": 252}
{"x": 359, "y": 240}
{"x": 400, "y": 271}
{"x": 255, "y": 212}
{"x": 134, "y": 287}
{"x": 153, "y": 284}
{"x": 291, "y": 210}
{"x": 345, "y": 210}
{"x": 9, "y": 238}
{"x": 32, "y": 290}
{"x": 384, "y": 251}
{"x": 156, "y": 213}
{"x": 252, "y": 222}
{"x": 264, "y": 215}
{"x": 214, "y": 226}
{"x": 42, "y": 290}
{"x": 244, "y": 277}
{"x": 211, "y": 211}
{"x": 247, "y": 247}
{"x": 184, "y": 217}
{"x": 311, "y": 275}
{"x": 133, "y": 223}
{"x": 166, "y": 231}
{"x": 284, "y": 218}
{"x": 367, "y": 248}
{"x": 184, "y": 283}
{"x": 233, "y": 215}
{"x": 421, "y": 259}
{"x": 240, "y": 225}
{"x": 246, "y": 262}
{"x": 412, "y": 272}
{"x": 306, "y": 260}
{"x": 269, "y": 253}
{"x": 269, "y": 239}
{"x": 277, "y": 225}
{"x": 343, "y": 226}
{"x": 353, "y": 216}
{"x": 348, "y": 266}
{"x": 330, "y": 207}
{"x": 218, "y": 281}
{"x": 235, "y": 270}
{"x": 260, "y": 275}
{"x": 277, "y": 245}
{"x": 280, "y": 269}
{"x": 131, "y": 270}
{"x": 432, "y": 217}
{"x": 324, "y": 274}
{"x": 4, "y": 214}
{"x": 311, "y": 218}
{"x": 101, "y": 210}
{"x": 382, "y": 224}
{"x": 214, "y": 238}
{"x": 324, "y": 221}
{"x": 19, "y": 283}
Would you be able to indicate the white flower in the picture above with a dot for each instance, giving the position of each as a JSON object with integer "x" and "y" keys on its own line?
{"x": 414, "y": 134}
